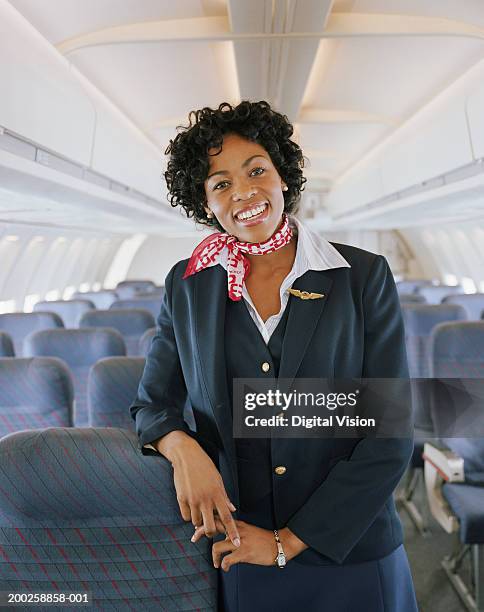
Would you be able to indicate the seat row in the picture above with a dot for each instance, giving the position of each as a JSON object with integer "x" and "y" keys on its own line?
{"x": 130, "y": 323}
{"x": 441, "y": 344}
{"x": 41, "y": 392}
{"x": 127, "y": 289}
{"x": 473, "y": 303}
{"x": 77, "y": 350}
{"x": 72, "y": 311}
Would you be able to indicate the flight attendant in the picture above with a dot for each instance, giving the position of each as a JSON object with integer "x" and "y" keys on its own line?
{"x": 306, "y": 523}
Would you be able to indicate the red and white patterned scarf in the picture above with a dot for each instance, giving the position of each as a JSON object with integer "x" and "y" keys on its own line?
{"x": 208, "y": 252}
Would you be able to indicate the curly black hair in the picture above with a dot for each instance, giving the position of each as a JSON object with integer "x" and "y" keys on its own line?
{"x": 188, "y": 165}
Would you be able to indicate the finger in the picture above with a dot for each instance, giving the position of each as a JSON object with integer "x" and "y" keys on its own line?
{"x": 200, "y": 530}
{"x": 209, "y": 522}
{"x": 185, "y": 510}
{"x": 230, "y": 525}
{"x": 197, "y": 518}
{"x": 219, "y": 548}
{"x": 230, "y": 504}
{"x": 230, "y": 560}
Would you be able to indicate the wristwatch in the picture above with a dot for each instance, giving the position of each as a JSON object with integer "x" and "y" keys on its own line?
{"x": 280, "y": 559}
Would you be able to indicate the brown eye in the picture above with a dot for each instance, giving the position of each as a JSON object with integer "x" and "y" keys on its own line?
{"x": 257, "y": 171}
{"x": 220, "y": 185}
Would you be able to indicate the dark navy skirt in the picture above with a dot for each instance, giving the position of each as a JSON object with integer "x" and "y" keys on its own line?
{"x": 380, "y": 585}
{"x": 383, "y": 585}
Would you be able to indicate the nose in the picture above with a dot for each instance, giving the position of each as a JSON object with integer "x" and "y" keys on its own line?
{"x": 243, "y": 192}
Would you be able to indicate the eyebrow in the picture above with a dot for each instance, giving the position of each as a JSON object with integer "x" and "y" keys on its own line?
{"x": 245, "y": 164}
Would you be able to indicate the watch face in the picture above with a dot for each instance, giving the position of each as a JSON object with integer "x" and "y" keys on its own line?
{"x": 281, "y": 560}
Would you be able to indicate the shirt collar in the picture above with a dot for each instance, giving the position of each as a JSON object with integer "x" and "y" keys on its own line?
{"x": 313, "y": 252}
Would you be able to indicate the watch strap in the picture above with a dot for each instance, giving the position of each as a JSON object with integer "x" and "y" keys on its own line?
{"x": 280, "y": 559}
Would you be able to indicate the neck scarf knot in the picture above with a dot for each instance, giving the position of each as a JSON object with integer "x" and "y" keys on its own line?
{"x": 208, "y": 253}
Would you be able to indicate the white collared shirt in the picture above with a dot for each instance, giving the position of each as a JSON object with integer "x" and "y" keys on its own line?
{"x": 312, "y": 253}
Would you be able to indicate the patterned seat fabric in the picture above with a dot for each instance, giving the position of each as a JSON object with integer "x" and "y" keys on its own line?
{"x": 100, "y": 299}
{"x": 6, "y": 345}
{"x": 151, "y": 304}
{"x": 113, "y": 383}
{"x": 145, "y": 341}
{"x": 34, "y": 393}
{"x": 70, "y": 311}
{"x": 19, "y": 325}
{"x": 473, "y": 303}
{"x": 131, "y": 323}
{"x": 90, "y": 513}
{"x": 80, "y": 349}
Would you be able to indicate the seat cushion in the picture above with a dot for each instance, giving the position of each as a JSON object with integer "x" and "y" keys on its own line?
{"x": 467, "y": 503}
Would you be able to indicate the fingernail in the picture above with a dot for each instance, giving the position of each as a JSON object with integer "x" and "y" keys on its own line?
{"x": 192, "y": 539}
{"x": 236, "y": 542}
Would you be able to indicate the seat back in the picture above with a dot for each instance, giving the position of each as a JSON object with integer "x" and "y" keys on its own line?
{"x": 6, "y": 345}
{"x": 70, "y": 311}
{"x": 79, "y": 349}
{"x": 419, "y": 320}
{"x": 131, "y": 323}
{"x": 90, "y": 513}
{"x": 473, "y": 304}
{"x": 158, "y": 292}
{"x": 137, "y": 284}
{"x": 101, "y": 299}
{"x": 434, "y": 294}
{"x": 411, "y": 286}
{"x": 34, "y": 393}
{"x": 413, "y": 298}
{"x": 457, "y": 352}
{"x": 153, "y": 305}
{"x": 19, "y": 325}
{"x": 145, "y": 341}
{"x": 112, "y": 385}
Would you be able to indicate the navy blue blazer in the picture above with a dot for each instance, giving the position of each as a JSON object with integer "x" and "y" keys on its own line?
{"x": 336, "y": 494}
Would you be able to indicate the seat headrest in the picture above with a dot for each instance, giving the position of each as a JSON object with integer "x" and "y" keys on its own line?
{"x": 132, "y": 321}
{"x": 44, "y": 382}
{"x": 77, "y": 347}
{"x": 420, "y": 319}
{"x": 71, "y": 473}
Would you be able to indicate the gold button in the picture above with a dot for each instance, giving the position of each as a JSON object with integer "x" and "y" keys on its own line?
{"x": 265, "y": 366}
{"x": 280, "y": 470}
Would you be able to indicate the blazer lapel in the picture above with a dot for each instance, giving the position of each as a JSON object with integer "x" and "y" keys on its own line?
{"x": 302, "y": 320}
{"x": 210, "y": 303}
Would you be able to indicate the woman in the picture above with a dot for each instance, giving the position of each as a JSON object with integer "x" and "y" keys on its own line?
{"x": 321, "y": 509}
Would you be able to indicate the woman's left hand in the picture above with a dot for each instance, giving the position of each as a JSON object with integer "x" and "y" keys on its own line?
{"x": 257, "y": 546}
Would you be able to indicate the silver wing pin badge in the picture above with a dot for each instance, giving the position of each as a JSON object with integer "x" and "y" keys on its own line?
{"x": 305, "y": 295}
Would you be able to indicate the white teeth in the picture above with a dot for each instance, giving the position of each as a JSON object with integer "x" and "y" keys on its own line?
{"x": 252, "y": 213}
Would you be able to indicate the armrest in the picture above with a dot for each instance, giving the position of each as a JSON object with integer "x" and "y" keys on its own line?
{"x": 449, "y": 465}
{"x": 441, "y": 465}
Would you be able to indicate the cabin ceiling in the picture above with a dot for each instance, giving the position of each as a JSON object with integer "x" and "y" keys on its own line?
{"x": 157, "y": 59}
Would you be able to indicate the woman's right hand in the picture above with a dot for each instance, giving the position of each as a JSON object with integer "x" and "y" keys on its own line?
{"x": 199, "y": 486}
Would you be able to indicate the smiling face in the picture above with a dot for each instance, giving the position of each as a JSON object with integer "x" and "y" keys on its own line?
{"x": 244, "y": 190}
